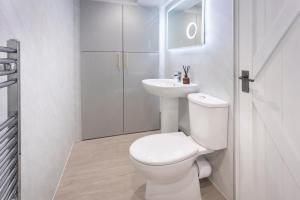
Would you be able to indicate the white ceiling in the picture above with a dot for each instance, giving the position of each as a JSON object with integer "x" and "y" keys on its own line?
{"x": 151, "y": 2}
{"x": 140, "y": 2}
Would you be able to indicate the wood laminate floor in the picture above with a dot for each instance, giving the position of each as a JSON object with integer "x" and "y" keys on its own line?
{"x": 100, "y": 169}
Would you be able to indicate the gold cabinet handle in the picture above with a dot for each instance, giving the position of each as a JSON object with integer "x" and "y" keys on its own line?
{"x": 126, "y": 61}
{"x": 118, "y": 60}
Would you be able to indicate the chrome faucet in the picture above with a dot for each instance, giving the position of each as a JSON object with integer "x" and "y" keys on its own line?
{"x": 177, "y": 76}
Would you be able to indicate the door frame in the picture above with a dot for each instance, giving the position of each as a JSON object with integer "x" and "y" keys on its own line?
{"x": 237, "y": 88}
{"x": 237, "y": 93}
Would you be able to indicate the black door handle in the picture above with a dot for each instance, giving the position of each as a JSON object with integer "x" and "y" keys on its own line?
{"x": 245, "y": 81}
{"x": 246, "y": 78}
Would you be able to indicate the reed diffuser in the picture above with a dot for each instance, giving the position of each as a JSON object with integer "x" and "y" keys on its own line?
{"x": 186, "y": 79}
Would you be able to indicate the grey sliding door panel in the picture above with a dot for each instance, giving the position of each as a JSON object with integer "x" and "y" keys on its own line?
{"x": 140, "y": 28}
{"x": 141, "y": 109}
{"x": 102, "y": 94}
{"x": 100, "y": 26}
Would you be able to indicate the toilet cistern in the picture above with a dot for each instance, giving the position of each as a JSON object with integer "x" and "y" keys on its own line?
{"x": 169, "y": 91}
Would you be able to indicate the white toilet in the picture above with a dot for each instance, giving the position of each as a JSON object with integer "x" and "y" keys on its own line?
{"x": 172, "y": 162}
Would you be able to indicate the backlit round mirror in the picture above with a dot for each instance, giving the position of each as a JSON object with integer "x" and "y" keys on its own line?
{"x": 191, "y": 30}
{"x": 185, "y": 24}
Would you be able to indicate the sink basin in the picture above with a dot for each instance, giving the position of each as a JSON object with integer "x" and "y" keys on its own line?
{"x": 169, "y": 91}
{"x": 168, "y": 88}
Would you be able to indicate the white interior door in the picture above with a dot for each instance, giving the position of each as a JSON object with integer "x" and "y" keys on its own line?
{"x": 268, "y": 143}
{"x": 102, "y": 94}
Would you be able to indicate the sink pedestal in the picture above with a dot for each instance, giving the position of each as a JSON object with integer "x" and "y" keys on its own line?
{"x": 169, "y": 91}
{"x": 169, "y": 114}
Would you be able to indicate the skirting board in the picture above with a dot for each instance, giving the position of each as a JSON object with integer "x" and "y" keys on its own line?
{"x": 63, "y": 171}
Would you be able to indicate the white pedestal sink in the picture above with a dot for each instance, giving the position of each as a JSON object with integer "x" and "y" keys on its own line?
{"x": 169, "y": 91}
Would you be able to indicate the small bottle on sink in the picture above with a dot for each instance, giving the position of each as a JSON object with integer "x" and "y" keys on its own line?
{"x": 186, "y": 79}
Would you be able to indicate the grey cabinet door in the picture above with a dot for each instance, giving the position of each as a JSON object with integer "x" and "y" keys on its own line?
{"x": 140, "y": 28}
{"x": 141, "y": 109}
{"x": 100, "y": 26}
{"x": 102, "y": 94}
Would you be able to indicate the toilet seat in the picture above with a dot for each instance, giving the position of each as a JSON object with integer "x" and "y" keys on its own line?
{"x": 163, "y": 149}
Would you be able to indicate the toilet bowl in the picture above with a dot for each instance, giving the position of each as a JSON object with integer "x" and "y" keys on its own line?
{"x": 172, "y": 163}
{"x": 167, "y": 161}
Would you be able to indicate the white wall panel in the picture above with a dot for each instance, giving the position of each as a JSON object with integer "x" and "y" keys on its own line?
{"x": 49, "y": 83}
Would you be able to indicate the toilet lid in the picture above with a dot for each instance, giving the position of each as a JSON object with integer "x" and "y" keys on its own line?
{"x": 162, "y": 149}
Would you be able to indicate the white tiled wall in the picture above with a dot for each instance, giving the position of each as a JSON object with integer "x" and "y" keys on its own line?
{"x": 212, "y": 68}
{"x": 50, "y": 88}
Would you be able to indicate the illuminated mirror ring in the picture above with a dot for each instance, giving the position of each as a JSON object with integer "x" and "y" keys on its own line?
{"x": 188, "y": 28}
